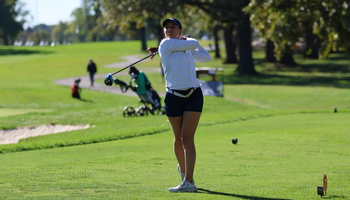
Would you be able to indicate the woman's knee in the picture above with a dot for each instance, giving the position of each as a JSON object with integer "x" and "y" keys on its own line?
{"x": 178, "y": 141}
{"x": 188, "y": 142}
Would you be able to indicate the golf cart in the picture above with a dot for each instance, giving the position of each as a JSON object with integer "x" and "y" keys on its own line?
{"x": 212, "y": 80}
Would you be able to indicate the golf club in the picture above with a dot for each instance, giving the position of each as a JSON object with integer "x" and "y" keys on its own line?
{"x": 109, "y": 79}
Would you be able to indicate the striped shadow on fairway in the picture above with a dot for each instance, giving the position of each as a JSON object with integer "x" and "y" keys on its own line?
{"x": 4, "y": 112}
{"x": 278, "y": 157}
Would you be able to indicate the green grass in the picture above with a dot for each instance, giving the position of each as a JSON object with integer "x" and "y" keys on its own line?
{"x": 8, "y": 111}
{"x": 280, "y": 157}
{"x": 288, "y": 134}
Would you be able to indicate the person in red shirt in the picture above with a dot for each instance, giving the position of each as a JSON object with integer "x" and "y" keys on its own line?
{"x": 76, "y": 89}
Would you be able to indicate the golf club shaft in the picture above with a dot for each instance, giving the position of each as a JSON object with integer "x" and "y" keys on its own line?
{"x": 135, "y": 63}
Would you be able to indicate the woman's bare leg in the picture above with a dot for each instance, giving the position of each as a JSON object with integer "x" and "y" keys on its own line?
{"x": 189, "y": 126}
{"x": 176, "y": 124}
{"x": 184, "y": 129}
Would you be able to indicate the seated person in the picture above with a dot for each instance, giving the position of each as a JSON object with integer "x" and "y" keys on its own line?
{"x": 143, "y": 88}
{"x": 76, "y": 89}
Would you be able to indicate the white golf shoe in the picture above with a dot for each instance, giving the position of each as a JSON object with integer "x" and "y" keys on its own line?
{"x": 180, "y": 172}
{"x": 185, "y": 186}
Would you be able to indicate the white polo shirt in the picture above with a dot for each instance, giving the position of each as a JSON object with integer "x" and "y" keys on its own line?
{"x": 178, "y": 59}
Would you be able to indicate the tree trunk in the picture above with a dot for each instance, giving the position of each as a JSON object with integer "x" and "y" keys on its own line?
{"x": 160, "y": 32}
{"x": 3, "y": 22}
{"x": 287, "y": 57}
{"x": 270, "y": 52}
{"x": 142, "y": 32}
{"x": 216, "y": 40}
{"x": 96, "y": 16}
{"x": 246, "y": 64}
{"x": 314, "y": 52}
{"x": 230, "y": 46}
{"x": 94, "y": 37}
{"x": 111, "y": 35}
{"x": 5, "y": 38}
{"x": 311, "y": 44}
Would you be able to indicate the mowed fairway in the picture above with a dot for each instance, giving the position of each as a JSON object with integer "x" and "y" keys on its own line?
{"x": 288, "y": 133}
{"x": 9, "y": 112}
{"x": 280, "y": 157}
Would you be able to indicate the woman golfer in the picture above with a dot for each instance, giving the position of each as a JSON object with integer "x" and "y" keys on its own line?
{"x": 184, "y": 98}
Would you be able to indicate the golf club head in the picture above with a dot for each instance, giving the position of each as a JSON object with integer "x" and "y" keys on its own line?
{"x": 109, "y": 80}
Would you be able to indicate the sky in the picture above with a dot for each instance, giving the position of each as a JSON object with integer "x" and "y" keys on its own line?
{"x": 49, "y": 12}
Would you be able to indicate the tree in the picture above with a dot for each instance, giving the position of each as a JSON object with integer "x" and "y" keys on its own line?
{"x": 230, "y": 43}
{"x": 143, "y": 13}
{"x": 89, "y": 24}
{"x": 77, "y": 29}
{"x": 92, "y": 10}
{"x": 122, "y": 13}
{"x": 38, "y": 36}
{"x": 319, "y": 22}
{"x": 195, "y": 21}
{"x": 224, "y": 13}
{"x": 216, "y": 40}
{"x": 333, "y": 26}
{"x": 10, "y": 10}
{"x": 275, "y": 22}
{"x": 246, "y": 65}
{"x": 59, "y": 32}
{"x": 270, "y": 52}
{"x": 201, "y": 22}
{"x": 105, "y": 30}
{"x": 230, "y": 14}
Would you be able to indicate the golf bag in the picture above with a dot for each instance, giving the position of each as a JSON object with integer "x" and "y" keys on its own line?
{"x": 151, "y": 101}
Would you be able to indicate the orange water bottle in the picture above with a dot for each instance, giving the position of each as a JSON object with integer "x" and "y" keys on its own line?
{"x": 325, "y": 184}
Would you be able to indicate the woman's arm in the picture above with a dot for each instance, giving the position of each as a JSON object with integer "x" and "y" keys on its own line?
{"x": 172, "y": 44}
{"x": 201, "y": 55}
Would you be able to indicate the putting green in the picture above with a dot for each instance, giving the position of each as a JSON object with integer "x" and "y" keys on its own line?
{"x": 4, "y": 112}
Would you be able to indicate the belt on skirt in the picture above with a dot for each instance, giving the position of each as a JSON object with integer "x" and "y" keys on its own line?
{"x": 177, "y": 92}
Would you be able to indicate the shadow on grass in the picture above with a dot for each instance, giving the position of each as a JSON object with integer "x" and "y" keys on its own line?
{"x": 336, "y": 63}
{"x": 270, "y": 79}
{"x": 321, "y": 67}
{"x": 4, "y": 52}
{"x": 86, "y": 100}
{"x": 331, "y": 72}
{"x": 334, "y": 197}
{"x": 205, "y": 191}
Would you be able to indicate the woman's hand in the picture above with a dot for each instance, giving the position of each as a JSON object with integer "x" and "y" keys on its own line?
{"x": 152, "y": 50}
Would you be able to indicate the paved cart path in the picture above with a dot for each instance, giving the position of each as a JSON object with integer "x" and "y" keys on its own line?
{"x": 85, "y": 80}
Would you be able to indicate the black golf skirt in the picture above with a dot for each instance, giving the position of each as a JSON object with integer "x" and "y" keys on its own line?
{"x": 175, "y": 106}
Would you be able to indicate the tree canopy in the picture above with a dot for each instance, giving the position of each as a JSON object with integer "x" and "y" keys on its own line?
{"x": 321, "y": 25}
{"x": 286, "y": 22}
{"x": 10, "y": 10}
